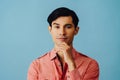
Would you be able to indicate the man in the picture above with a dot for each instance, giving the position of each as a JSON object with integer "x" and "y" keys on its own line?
{"x": 63, "y": 62}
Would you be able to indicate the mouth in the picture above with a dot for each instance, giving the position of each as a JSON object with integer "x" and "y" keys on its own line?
{"x": 62, "y": 39}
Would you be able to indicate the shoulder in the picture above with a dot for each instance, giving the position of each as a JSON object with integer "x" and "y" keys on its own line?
{"x": 40, "y": 58}
{"x": 85, "y": 59}
{"x": 43, "y": 56}
{"x": 84, "y": 56}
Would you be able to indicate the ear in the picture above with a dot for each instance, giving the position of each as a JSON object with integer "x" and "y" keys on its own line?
{"x": 76, "y": 30}
{"x": 49, "y": 28}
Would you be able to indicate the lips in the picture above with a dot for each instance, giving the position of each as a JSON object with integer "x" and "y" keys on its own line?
{"x": 62, "y": 38}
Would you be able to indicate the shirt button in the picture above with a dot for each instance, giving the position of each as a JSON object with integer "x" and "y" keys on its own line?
{"x": 59, "y": 65}
{"x": 68, "y": 76}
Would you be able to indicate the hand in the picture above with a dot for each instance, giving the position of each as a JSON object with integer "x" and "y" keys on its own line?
{"x": 66, "y": 51}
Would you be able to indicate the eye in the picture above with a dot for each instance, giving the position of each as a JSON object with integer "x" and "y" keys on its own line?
{"x": 68, "y": 26}
{"x": 57, "y": 27}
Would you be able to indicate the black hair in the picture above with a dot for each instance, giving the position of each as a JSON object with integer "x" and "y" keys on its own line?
{"x": 63, "y": 11}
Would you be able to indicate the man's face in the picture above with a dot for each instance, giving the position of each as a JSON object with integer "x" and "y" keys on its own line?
{"x": 63, "y": 30}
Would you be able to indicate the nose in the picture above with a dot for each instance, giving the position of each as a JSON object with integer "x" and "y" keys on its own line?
{"x": 62, "y": 31}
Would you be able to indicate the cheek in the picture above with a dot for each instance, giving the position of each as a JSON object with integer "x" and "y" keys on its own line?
{"x": 71, "y": 34}
{"x": 53, "y": 35}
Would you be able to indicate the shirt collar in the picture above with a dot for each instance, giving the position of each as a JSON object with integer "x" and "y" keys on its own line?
{"x": 53, "y": 54}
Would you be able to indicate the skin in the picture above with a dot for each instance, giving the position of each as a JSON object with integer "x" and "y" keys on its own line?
{"x": 63, "y": 32}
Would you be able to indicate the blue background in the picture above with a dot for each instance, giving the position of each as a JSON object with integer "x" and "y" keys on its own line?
{"x": 24, "y": 34}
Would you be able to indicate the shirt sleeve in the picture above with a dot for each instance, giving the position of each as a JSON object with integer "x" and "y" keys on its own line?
{"x": 33, "y": 71}
{"x": 92, "y": 73}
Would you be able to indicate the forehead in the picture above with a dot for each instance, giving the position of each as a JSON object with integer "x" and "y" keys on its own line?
{"x": 63, "y": 20}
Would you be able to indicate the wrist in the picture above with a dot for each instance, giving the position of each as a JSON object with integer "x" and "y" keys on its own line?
{"x": 71, "y": 66}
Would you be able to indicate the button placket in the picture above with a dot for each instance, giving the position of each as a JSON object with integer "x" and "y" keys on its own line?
{"x": 59, "y": 65}
{"x": 68, "y": 76}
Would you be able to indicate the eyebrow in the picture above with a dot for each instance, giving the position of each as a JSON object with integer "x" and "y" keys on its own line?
{"x": 68, "y": 24}
{"x": 59, "y": 24}
{"x": 56, "y": 24}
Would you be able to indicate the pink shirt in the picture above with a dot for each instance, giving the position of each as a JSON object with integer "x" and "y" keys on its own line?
{"x": 48, "y": 67}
